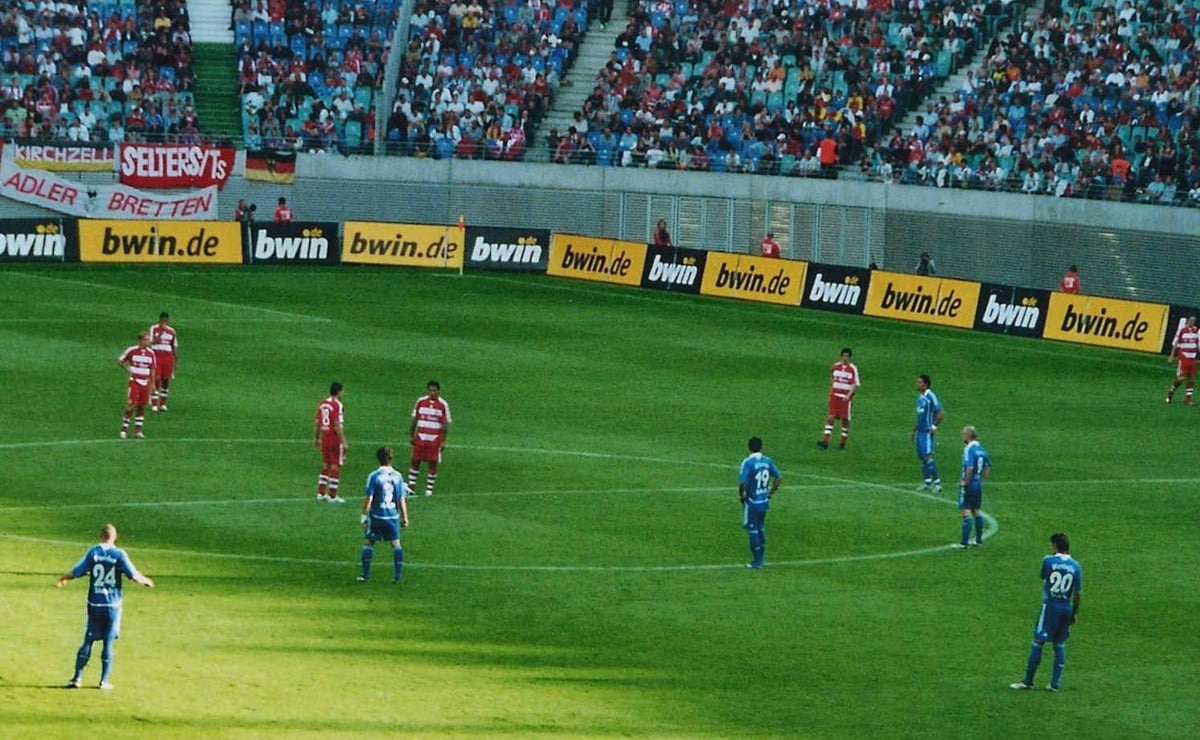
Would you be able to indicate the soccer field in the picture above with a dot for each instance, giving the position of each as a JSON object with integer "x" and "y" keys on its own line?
{"x": 580, "y": 571}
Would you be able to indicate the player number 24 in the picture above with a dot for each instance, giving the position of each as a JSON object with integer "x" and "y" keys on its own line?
{"x": 103, "y": 578}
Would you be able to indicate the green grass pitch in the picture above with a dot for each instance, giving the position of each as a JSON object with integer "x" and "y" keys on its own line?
{"x": 579, "y": 571}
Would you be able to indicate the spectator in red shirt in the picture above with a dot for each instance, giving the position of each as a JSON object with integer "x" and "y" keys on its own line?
{"x": 827, "y": 153}
{"x": 662, "y": 237}
{"x": 283, "y": 212}
{"x": 768, "y": 247}
{"x": 1070, "y": 281}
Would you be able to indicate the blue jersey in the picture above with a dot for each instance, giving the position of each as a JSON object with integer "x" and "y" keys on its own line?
{"x": 976, "y": 458}
{"x": 1062, "y": 578}
{"x": 385, "y": 487}
{"x": 105, "y": 566}
{"x": 928, "y": 408}
{"x": 756, "y": 475}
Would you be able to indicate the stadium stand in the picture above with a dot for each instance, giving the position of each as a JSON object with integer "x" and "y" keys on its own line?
{"x": 97, "y": 72}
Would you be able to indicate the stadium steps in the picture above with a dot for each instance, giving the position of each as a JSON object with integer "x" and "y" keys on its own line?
{"x": 593, "y": 54}
{"x": 215, "y": 63}
{"x": 217, "y": 102}
{"x": 954, "y": 82}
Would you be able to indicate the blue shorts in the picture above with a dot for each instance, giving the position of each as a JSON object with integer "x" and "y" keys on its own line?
{"x": 103, "y": 623}
{"x": 753, "y": 518}
{"x": 924, "y": 445}
{"x": 970, "y": 498}
{"x": 1053, "y": 625}
{"x": 387, "y": 530}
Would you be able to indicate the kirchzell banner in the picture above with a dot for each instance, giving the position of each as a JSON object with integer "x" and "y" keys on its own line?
{"x": 48, "y": 190}
{"x": 75, "y": 157}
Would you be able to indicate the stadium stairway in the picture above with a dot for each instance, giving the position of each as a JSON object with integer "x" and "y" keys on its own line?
{"x": 594, "y": 53}
{"x": 215, "y": 64}
{"x": 954, "y": 82}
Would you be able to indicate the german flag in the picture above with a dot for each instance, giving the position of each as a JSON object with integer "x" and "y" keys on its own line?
{"x": 270, "y": 165}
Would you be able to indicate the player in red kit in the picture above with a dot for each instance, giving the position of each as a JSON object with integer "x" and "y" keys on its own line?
{"x": 283, "y": 212}
{"x": 1069, "y": 283}
{"x": 844, "y": 384}
{"x": 1185, "y": 346}
{"x": 139, "y": 362}
{"x": 430, "y": 421}
{"x": 768, "y": 247}
{"x": 330, "y": 439}
{"x": 165, "y": 344}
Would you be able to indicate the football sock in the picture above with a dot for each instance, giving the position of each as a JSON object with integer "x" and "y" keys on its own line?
{"x": 106, "y": 658}
{"x": 828, "y": 433}
{"x": 125, "y": 423}
{"x": 979, "y": 529}
{"x": 333, "y": 486}
{"x": 1060, "y": 660}
{"x": 397, "y": 562}
{"x": 966, "y": 529}
{"x": 430, "y": 480}
{"x": 368, "y": 552}
{"x": 137, "y": 423}
{"x": 1035, "y": 658}
{"x": 322, "y": 484}
{"x": 927, "y": 471}
{"x": 937, "y": 479}
{"x": 82, "y": 657}
{"x": 412, "y": 477}
{"x": 845, "y": 435}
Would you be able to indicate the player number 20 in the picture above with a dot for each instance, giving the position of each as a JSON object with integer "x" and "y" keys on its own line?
{"x": 1061, "y": 583}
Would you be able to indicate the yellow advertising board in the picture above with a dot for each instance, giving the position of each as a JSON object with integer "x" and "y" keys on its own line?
{"x": 1106, "y": 322}
{"x": 927, "y": 299}
{"x": 207, "y": 242}
{"x": 407, "y": 245}
{"x": 593, "y": 258}
{"x": 749, "y": 278}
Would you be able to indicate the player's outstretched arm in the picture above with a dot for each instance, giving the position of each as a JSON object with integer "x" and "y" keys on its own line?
{"x": 144, "y": 580}
{"x": 62, "y": 580}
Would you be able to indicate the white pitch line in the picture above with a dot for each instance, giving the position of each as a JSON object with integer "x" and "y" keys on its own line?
{"x": 175, "y": 297}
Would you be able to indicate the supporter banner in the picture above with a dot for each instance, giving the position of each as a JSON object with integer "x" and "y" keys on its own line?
{"x": 836, "y": 288}
{"x": 1106, "y": 322}
{"x": 175, "y": 166}
{"x": 292, "y": 243}
{"x": 210, "y": 242}
{"x": 525, "y": 250}
{"x": 412, "y": 245}
{"x": 267, "y": 165}
{"x": 1009, "y": 310}
{"x": 67, "y": 158}
{"x": 37, "y": 240}
{"x": 929, "y": 300}
{"x": 669, "y": 268}
{"x": 1177, "y": 317}
{"x": 750, "y": 278}
{"x": 50, "y": 191}
{"x": 595, "y": 258}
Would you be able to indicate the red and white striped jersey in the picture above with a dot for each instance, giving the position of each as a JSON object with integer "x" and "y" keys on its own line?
{"x": 330, "y": 416}
{"x": 163, "y": 338}
{"x": 1187, "y": 341}
{"x": 844, "y": 379}
{"x": 432, "y": 416}
{"x": 141, "y": 364}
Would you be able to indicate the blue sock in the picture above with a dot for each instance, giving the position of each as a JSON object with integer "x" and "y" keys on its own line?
{"x": 1060, "y": 660}
{"x": 368, "y": 552}
{"x": 106, "y": 656}
{"x": 397, "y": 562}
{"x": 966, "y": 529}
{"x": 927, "y": 471}
{"x": 979, "y": 529}
{"x": 82, "y": 657}
{"x": 933, "y": 469}
{"x": 1035, "y": 658}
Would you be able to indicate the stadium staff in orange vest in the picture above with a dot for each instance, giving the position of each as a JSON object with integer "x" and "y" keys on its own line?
{"x": 768, "y": 247}
{"x": 1070, "y": 281}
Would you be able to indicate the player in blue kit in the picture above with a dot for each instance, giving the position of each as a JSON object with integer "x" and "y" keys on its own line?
{"x": 384, "y": 512}
{"x": 1062, "y": 588}
{"x": 975, "y": 467}
{"x": 929, "y": 415}
{"x": 757, "y": 482}
{"x": 105, "y": 565}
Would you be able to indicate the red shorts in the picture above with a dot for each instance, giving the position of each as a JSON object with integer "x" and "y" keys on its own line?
{"x": 1187, "y": 367}
{"x": 427, "y": 452}
{"x": 839, "y": 408}
{"x": 138, "y": 394}
{"x": 165, "y": 364}
{"x": 332, "y": 453}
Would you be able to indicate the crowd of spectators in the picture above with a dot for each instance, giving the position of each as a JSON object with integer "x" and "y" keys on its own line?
{"x": 96, "y": 72}
{"x": 308, "y": 72}
{"x": 477, "y": 77}
{"x": 1093, "y": 99}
